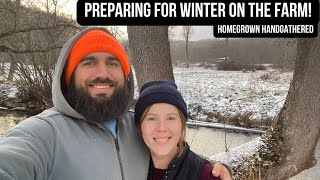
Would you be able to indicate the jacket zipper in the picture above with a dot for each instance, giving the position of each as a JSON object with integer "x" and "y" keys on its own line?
{"x": 117, "y": 146}
{"x": 118, "y": 149}
{"x": 119, "y": 158}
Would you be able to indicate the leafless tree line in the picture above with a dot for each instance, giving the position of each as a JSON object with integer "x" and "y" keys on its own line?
{"x": 246, "y": 50}
{"x": 31, "y": 36}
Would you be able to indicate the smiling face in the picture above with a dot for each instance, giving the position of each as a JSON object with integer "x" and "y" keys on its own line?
{"x": 100, "y": 74}
{"x": 97, "y": 89}
{"x": 161, "y": 129}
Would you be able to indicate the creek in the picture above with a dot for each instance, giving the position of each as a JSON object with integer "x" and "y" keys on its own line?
{"x": 210, "y": 141}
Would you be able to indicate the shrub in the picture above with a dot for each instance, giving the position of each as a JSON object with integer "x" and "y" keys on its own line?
{"x": 260, "y": 67}
{"x": 243, "y": 120}
{"x": 33, "y": 78}
{"x": 234, "y": 66}
{"x": 229, "y": 65}
{"x": 206, "y": 65}
{"x": 270, "y": 76}
{"x": 265, "y": 77}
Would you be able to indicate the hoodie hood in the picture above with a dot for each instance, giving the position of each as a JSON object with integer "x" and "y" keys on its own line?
{"x": 60, "y": 104}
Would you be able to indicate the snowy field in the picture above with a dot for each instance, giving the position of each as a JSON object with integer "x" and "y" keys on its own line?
{"x": 229, "y": 93}
{"x": 232, "y": 93}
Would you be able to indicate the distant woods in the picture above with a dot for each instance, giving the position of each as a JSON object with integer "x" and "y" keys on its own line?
{"x": 281, "y": 52}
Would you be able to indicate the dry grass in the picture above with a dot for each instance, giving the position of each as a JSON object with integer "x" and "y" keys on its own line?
{"x": 235, "y": 66}
{"x": 8, "y": 122}
{"x": 266, "y": 76}
{"x": 243, "y": 120}
{"x": 270, "y": 76}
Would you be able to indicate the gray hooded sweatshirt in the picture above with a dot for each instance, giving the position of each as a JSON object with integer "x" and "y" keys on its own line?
{"x": 60, "y": 144}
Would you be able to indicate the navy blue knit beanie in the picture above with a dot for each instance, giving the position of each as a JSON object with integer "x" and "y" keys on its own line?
{"x": 163, "y": 91}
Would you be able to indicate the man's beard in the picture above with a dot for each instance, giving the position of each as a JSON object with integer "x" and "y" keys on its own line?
{"x": 100, "y": 108}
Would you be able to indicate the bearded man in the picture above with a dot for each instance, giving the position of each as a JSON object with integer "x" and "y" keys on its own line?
{"x": 89, "y": 133}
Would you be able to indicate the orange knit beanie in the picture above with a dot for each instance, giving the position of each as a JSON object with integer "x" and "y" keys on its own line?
{"x": 95, "y": 41}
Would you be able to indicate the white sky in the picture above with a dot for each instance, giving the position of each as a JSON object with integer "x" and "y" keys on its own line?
{"x": 199, "y": 32}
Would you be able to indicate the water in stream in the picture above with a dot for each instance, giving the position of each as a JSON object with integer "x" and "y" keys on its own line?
{"x": 208, "y": 142}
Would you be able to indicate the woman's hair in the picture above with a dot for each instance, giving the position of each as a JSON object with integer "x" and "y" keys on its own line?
{"x": 181, "y": 143}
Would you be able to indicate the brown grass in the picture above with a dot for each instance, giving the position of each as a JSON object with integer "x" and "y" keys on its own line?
{"x": 243, "y": 120}
{"x": 235, "y": 66}
{"x": 8, "y": 122}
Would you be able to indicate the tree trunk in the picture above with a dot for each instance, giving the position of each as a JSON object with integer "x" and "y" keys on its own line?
{"x": 13, "y": 65}
{"x": 298, "y": 123}
{"x": 187, "y": 52}
{"x": 187, "y": 30}
{"x": 150, "y": 49}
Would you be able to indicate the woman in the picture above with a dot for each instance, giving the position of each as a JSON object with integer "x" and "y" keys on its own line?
{"x": 160, "y": 116}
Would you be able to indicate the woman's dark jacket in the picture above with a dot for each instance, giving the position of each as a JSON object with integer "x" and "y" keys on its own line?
{"x": 187, "y": 166}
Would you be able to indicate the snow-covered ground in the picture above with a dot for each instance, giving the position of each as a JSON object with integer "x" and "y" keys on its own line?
{"x": 8, "y": 90}
{"x": 229, "y": 93}
{"x": 232, "y": 93}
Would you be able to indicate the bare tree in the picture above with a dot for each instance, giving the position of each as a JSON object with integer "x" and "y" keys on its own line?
{"x": 32, "y": 37}
{"x": 171, "y": 31}
{"x": 16, "y": 15}
{"x": 298, "y": 127}
{"x": 289, "y": 148}
{"x": 17, "y": 20}
{"x": 187, "y": 31}
{"x": 150, "y": 49}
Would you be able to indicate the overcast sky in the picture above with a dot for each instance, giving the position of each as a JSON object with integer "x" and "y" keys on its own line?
{"x": 199, "y": 32}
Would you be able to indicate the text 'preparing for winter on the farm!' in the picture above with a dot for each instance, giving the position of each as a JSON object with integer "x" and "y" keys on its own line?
{"x": 295, "y": 18}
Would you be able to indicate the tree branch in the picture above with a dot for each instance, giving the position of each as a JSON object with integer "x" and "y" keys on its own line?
{"x": 34, "y": 28}
{"x": 4, "y": 48}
